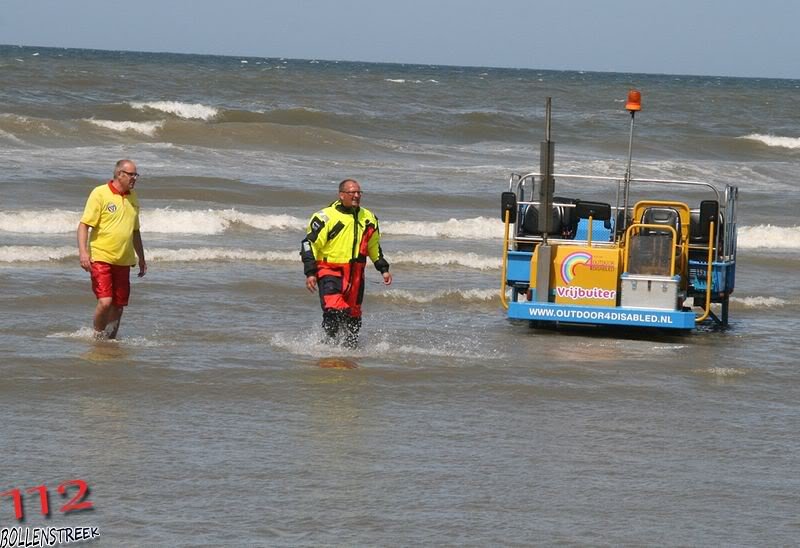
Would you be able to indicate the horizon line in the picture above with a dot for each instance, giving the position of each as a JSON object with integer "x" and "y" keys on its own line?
{"x": 403, "y": 63}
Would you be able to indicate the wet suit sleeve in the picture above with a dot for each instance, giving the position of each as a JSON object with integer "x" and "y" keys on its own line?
{"x": 375, "y": 251}
{"x": 312, "y": 245}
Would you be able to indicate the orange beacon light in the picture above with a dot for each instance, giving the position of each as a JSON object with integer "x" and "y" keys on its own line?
{"x": 634, "y": 101}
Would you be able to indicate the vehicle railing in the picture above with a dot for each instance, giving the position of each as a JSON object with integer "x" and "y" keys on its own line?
{"x": 619, "y": 180}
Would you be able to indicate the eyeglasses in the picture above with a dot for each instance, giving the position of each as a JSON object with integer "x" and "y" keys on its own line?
{"x": 352, "y": 192}
{"x": 132, "y": 175}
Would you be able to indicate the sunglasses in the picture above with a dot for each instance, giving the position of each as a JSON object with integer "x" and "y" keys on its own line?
{"x": 132, "y": 175}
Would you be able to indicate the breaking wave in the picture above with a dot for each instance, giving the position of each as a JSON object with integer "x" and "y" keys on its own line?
{"x": 220, "y": 254}
{"x": 145, "y": 128}
{"x": 445, "y": 295}
{"x": 774, "y": 140}
{"x": 56, "y": 221}
{"x": 32, "y": 254}
{"x": 769, "y": 237}
{"x": 160, "y": 220}
{"x": 216, "y": 221}
{"x": 440, "y": 258}
{"x": 29, "y": 254}
{"x": 187, "y": 111}
{"x": 478, "y": 228}
{"x": 759, "y": 302}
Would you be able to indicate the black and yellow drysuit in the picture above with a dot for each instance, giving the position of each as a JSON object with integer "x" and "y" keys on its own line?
{"x": 335, "y": 250}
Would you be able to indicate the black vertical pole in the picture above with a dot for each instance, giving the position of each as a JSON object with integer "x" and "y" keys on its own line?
{"x": 546, "y": 154}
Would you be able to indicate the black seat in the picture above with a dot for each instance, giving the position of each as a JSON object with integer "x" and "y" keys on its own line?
{"x": 569, "y": 218}
{"x": 699, "y": 228}
{"x": 530, "y": 221}
{"x": 598, "y": 211}
{"x": 666, "y": 216}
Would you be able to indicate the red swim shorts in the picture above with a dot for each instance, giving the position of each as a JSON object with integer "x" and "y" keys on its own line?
{"x": 110, "y": 280}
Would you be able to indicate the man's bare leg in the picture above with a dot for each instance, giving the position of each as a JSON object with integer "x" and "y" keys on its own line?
{"x": 106, "y": 315}
{"x": 114, "y": 316}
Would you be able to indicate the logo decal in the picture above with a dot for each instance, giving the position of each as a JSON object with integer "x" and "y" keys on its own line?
{"x": 571, "y": 262}
{"x": 111, "y": 208}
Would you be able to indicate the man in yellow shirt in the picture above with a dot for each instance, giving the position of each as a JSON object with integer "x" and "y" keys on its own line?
{"x": 112, "y": 212}
{"x": 334, "y": 252}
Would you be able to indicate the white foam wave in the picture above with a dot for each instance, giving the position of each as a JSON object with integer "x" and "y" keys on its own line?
{"x": 212, "y": 221}
{"x": 469, "y": 295}
{"x": 32, "y": 254}
{"x": 769, "y": 237}
{"x": 188, "y": 111}
{"x": 477, "y": 228}
{"x": 267, "y": 222}
{"x": 10, "y": 137}
{"x": 723, "y": 371}
{"x": 440, "y": 258}
{"x": 145, "y": 128}
{"x": 56, "y": 221}
{"x": 159, "y": 220}
{"x": 219, "y": 254}
{"x": 216, "y": 221}
{"x": 760, "y": 302}
{"x": 774, "y": 140}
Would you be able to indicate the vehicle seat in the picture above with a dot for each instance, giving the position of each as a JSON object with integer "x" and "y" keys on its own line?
{"x": 667, "y": 216}
{"x": 600, "y": 213}
{"x": 530, "y": 221}
{"x": 651, "y": 249}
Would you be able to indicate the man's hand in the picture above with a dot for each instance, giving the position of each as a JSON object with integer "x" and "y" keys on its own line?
{"x": 142, "y": 267}
{"x": 85, "y": 260}
{"x": 387, "y": 278}
{"x": 311, "y": 283}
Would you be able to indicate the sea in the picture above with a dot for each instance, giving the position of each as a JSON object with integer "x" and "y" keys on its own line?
{"x": 220, "y": 418}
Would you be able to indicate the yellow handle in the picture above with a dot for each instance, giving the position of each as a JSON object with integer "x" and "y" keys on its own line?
{"x": 505, "y": 263}
{"x": 708, "y": 280}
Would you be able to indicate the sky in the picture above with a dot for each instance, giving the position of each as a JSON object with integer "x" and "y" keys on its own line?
{"x": 702, "y": 37}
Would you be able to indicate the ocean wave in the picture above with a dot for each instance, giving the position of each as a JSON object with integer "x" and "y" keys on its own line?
{"x": 445, "y": 295}
{"x": 34, "y": 254}
{"x": 188, "y": 111}
{"x": 216, "y": 221}
{"x": 768, "y": 237}
{"x": 439, "y": 258}
{"x": 56, "y": 221}
{"x": 10, "y": 137}
{"x": 145, "y": 128}
{"x": 160, "y": 220}
{"x": 187, "y": 255}
{"x": 25, "y": 254}
{"x": 213, "y": 221}
{"x": 723, "y": 372}
{"x": 759, "y": 302}
{"x": 478, "y": 228}
{"x": 774, "y": 140}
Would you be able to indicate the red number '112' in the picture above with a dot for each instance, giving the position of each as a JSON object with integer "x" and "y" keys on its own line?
{"x": 74, "y": 504}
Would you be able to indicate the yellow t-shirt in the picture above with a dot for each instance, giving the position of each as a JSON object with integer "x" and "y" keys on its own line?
{"x": 113, "y": 218}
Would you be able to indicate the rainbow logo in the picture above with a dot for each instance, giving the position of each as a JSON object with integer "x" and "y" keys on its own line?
{"x": 571, "y": 262}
